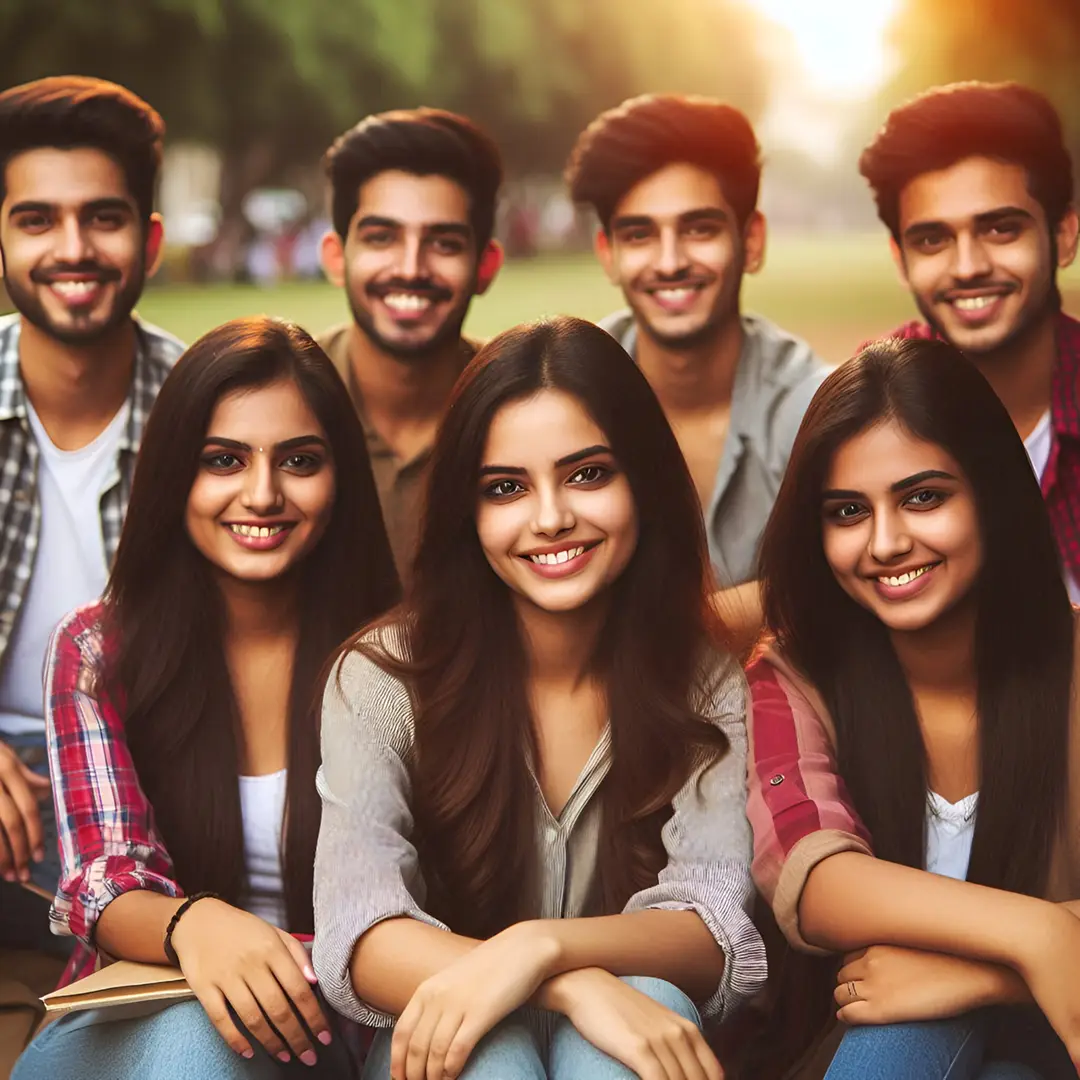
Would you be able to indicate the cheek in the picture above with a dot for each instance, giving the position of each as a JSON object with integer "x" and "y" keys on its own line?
{"x": 718, "y": 255}
{"x": 457, "y": 273}
{"x": 498, "y": 528}
{"x": 314, "y": 497}
{"x": 843, "y": 548}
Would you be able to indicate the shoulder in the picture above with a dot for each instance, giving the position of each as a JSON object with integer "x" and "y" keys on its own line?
{"x": 722, "y": 688}
{"x": 332, "y": 337}
{"x": 76, "y": 655}
{"x": 162, "y": 348}
{"x": 784, "y": 704}
{"x": 779, "y": 358}
{"x": 9, "y": 326}
{"x": 620, "y": 325}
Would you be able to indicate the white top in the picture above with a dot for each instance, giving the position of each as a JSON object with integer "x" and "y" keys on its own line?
{"x": 950, "y": 828}
{"x": 262, "y": 804}
{"x": 1038, "y": 445}
{"x": 69, "y": 566}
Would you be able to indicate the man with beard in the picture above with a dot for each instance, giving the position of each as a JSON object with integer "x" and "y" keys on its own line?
{"x": 975, "y": 186}
{"x": 413, "y": 197}
{"x": 79, "y": 160}
{"x": 674, "y": 181}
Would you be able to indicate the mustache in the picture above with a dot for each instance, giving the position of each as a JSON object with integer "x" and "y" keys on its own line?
{"x": 423, "y": 286}
{"x": 682, "y": 278}
{"x": 87, "y": 268}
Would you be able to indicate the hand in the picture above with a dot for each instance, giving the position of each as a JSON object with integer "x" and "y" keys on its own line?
{"x": 649, "y": 1039}
{"x": 895, "y": 985}
{"x": 20, "y": 820}
{"x": 454, "y": 1009}
{"x": 231, "y": 957}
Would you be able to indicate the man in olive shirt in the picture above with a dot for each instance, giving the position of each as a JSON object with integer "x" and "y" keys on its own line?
{"x": 413, "y": 207}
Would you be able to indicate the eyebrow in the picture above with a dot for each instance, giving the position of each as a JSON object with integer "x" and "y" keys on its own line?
{"x": 901, "y": 485}
{"x": 112, "y": 202}
{"x": 442, "y": 228}
{"x": 990, "y": 217}
{"x": 570, "y": 459}
{"x": 287, "y": 444}
{"x": 705, "y": 213}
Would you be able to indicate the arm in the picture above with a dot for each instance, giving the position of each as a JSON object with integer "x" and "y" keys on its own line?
{"x": 740, "y": 608}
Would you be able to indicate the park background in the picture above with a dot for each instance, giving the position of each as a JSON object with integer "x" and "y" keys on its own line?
{"x": 253, "y": 91}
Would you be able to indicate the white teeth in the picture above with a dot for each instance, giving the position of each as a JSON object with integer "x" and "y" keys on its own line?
{"x": 674, "y": 296}
{"x": 74, "y": 288}
{"x": 256, "y": 531}
{"x": 904, "y": 579}
{"x": 558, "y": 557}
{"x": 407, "y": 302}
{"x": 974, "y": 303}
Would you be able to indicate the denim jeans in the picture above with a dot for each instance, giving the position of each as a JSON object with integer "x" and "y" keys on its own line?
{"x": 509, "y": 1052}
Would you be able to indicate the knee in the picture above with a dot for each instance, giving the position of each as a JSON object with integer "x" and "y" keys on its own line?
{"x": 666, "y": 994}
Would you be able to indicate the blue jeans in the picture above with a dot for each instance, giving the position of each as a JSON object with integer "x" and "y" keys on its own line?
{"x": 177, "y": 1041}
{"x": 1002, "y": 1043}
{"x": 509, "y": 1051}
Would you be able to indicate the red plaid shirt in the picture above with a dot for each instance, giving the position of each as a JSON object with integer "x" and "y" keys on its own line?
{"x": 1061, "y": 480}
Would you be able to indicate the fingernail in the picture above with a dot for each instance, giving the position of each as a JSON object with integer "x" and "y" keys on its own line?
{"x": 308, "y": 1057}
{"x": 39, "y": 855}
{"x": 24, "y": 875}
{"x": 310, "y": 975}
{"x": 249, "y": 1053}
{"x": 9, "y": 876}
{"x": 325, "y": 1037}
{"x": 283, "y": 1056}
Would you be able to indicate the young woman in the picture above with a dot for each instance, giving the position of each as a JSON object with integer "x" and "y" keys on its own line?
{"x": 181, "y": 712}
{"x": 534, "y": 774}
{"x": 915, "y": 731}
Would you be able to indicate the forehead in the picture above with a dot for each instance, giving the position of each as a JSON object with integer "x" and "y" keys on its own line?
{"x": 414, "y": 200}
{"x": 875, "y": 459}
{"x": 673, "y": 190}
{"x": 268, "y": 413}
{"x": 64, "y": 177}
{"x": 538, "y": 430}
{"x": 959, "y": 193}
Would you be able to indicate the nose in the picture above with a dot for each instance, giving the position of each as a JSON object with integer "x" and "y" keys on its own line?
{"x": 971, "y": 259}
{"x": 889, "y": 539}
{"x": 412, "y": 258}
{"x": 553, "y": 512}
{"x": 72, "y": 246}
{"x": 672, "y": 256}
{"x": 262, "y": 493}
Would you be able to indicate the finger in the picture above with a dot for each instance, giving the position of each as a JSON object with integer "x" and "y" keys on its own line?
{"x": 848, "y": 992}
{"x": 14, "y": 830}
{"x": 35, "y": 781}
{"x": 416, "y": 1054}
{"x": 278, "y": 1009}
{"x": 443, "y": 1039}
{"x": 685, "y": 1050}
{"x": 298, "y": 989}
{"x": 246, "y": 1007}
{"x": 299, "y": 954}
{"x": 663, "y": 1048}
{"x": 852, "y": 972}
{"x": 213, "y": 1003}
{"x": 26, "y": 799}
{"x": 858, "y": 954}
{"x": 858, "y": 1012}
{"x": 399, "y": 1041}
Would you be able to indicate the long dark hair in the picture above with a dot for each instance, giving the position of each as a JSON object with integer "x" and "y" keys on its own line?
{"x": 466, "y": 664}
{"x": 1023, "y": 618}
{"x": 165, "y": 615}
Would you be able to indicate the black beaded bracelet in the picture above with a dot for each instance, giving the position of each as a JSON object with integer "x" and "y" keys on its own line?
{"x": 170, "y": 952}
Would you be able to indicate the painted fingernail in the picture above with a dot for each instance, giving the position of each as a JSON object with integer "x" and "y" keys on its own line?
{"x": 308, "y": 1057}
{"x": 249, "y": 1053}
{"x": 325, "y": 1037}
{"x": 284, "y": 1057}
{"x": 24, "y": 875}
{"x": 39, "y": 855}
{"x": 310, "y": 975}
{"x": 9, "y": 876}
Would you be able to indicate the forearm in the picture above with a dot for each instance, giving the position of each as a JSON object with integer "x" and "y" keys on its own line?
{"x": 851, "y": 901}
{"x": 132, "y": 927}
{"x": 741, "y": 609}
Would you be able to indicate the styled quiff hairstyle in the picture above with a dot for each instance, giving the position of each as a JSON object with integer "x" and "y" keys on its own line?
{"x": 624, "y": 145}
{"x": 947, "y": 124}
{"x": 424, "y": 142}
{"x": 71, "y": 111}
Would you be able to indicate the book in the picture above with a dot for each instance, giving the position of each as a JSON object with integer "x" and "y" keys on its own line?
{"x": 121, "y": 983}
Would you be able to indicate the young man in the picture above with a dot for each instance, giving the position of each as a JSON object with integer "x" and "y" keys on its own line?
{"x": 975, "y": 185}
{"x": 79, "y": 160}
{"x": 413, "y": 206}
{"x": 674, "y": 181}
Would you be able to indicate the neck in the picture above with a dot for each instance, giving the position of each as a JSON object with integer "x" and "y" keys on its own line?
{"x": 260, "y": 610}
{"x": 694, "y": 378}
{"x": 941, "y": 658}
{"x": 408, "y": 391}
{"x": 83, "y": 383}
{"x": 559, "y": 646}
{"x": 1022, "y": 372}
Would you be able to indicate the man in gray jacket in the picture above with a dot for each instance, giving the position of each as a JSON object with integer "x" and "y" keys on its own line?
{"x": 674, "y": 181}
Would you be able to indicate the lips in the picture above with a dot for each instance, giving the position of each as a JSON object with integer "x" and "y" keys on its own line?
{"x": 976, "y": 307}
{"x": 677, "y": 296}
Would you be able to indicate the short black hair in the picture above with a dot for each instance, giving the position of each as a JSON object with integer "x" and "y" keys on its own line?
{"x": 947, "y": 124}
{"x": 424, "y": 142}
{"x": 71, "y": 111}
{"x": 624, "y": 145}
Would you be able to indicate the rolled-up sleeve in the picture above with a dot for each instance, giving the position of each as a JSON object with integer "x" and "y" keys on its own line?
{"x": 366, "y": 867}
{"x": 709, "y": 846}
{"x": 798, "y": 804}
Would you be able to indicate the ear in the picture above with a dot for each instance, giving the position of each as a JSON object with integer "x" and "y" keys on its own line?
{"x": 155, "y": 244}
{"x": 898, "y": 260}
{"x": 332, "y": 258}
{"x": 490, "y": 263}
{"x": 754, "y": 235}
{"x": 602, "y": 247}
{"x": 1067, "y": 232}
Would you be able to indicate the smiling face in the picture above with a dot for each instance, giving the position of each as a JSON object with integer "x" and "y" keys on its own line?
{"x": 264, "y": 492}
{"x": 976, "y": 252}
{"x": 555, "y": 514}
{"x": 75, "y": 248}
{"x": 676, "y": 250}
{"x": 899, "y": 527}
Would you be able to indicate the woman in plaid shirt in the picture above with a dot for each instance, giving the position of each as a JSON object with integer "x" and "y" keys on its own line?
{"x": 183, "y": 742}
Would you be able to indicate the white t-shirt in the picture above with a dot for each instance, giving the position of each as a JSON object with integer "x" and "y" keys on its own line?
{"x": 1038, "y": 445}
{"x": 262, "y": 804}
{"x": 69, "y": 566}
{"x": 950, "y": 828}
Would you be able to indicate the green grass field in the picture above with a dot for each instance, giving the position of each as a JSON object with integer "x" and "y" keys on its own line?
{"x": 836, "y": 291}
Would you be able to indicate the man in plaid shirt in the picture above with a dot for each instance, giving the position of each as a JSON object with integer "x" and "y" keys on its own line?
{"x": 79, "y": 160}
{"x": 975, "y": 185}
